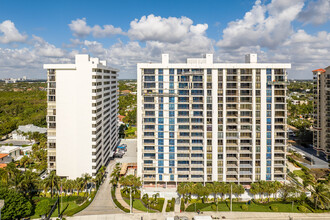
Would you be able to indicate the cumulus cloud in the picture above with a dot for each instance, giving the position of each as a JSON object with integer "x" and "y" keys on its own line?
{"x": 80, "y": 29}
{"x": 317, "y": 12}
{"x": 9, "y": 33}
{"x": 264, "y": 25}
{"x": 171, "y": 30}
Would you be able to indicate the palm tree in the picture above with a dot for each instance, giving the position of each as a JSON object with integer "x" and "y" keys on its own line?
{"x": 287, "y": 189}
{"x": 212, "y": 190}
{"x": 255, "y": 189}
{"x": 29, "y": 183}
{"x": 321, "y": 195}
{"x": 3, "y": 177}
{"x": 276, "y": 186}
{"x": 183, "y": 190}
{"x": 86, "y": 179}
{"x": 52, "y": 182}
{"x": 78, "y": 183}
{"x": 239, "y": 190}
{"x": 263, "y": 187}
{"x": 24, "y": 161}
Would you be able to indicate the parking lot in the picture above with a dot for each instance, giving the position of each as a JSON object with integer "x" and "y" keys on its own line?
{"x": 130, "y": 154}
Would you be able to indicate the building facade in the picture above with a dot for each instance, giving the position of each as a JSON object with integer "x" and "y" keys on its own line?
{"x": 202, "y": 121}
{"x": 321, "y": 129}
{"x": 82, "y": 116}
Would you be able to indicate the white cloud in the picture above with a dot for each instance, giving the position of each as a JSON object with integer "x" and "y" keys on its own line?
{"x": 317, "y": 12}
{"x": 9, "y": 33}
{"x": 170, "y": 30}
{"x": 80, "y": 28}
{"x": 265, "y": 25}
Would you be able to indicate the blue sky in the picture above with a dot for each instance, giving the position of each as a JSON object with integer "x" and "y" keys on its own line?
{"x": 127, "y": 32}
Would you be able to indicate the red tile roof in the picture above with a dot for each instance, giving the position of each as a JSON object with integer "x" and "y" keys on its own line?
{"x": 3, "y": 155}
{"x": 319, "y": 70}
{"x": 2, "y": 165}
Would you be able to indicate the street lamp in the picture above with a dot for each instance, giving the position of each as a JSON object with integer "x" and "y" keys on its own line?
{"x": 2, "y": 203}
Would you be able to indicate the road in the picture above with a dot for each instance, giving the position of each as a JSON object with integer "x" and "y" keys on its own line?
{"x": 319, "y": 163}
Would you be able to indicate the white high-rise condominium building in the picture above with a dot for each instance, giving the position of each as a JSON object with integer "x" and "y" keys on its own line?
{"x": 81, "y": 116}
{"x": 202, "y": 121}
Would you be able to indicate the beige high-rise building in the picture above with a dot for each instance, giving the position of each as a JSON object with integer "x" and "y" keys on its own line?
{"x": 321, "y": 132}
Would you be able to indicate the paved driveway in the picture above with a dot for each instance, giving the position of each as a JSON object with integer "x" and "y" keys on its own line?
{"x": 319, "y": 163}
{"x": 102, "y": 203}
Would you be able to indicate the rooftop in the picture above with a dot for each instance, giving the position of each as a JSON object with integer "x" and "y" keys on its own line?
{"x": 31, "y": 128}
{"x": 319, "y": 70}
{"x": 8, "y": 149}
{"x": 3, "y": 155}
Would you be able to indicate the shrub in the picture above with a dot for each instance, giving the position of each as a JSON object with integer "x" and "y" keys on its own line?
{"x": 159, "y": 205}
{"x": 303, "y": 208}
{"x": 182, "y": 205}
{"x": 79, "y": 200}
{"x": 274, "y": 208}
{"x": 245, "y": 207}
{"x": 214, "y": 207}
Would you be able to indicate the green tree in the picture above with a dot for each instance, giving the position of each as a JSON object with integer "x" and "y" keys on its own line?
{"x": 321, "y": 195}
{"x": 86, "y": 179}
{"x": 29, "y": 183}
{"x": 16, "y": 205}
{"x": 51, "y": 182}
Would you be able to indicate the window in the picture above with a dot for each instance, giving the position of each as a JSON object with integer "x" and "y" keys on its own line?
{"x": 269, "y": 107}
{"x": 160, "y": 78}
{"x": 171, "y": 149}
{"x": 172, "y": 157}
{"x": 161, "y": 156}
{"x": 160, "y": 177}
{"x": 171, "y": 71}
{"x": 171, "y": 120}
{"x": 160, "y": 163}
{"x": 171, "y": 128}
{"x": 160, "y": 141}
{"x": 160, "y": 149}
{"x": 160, "y": 134}
{"x": 269, "y": 163}
{"x": 171, "y": 142}
{"x": 172, "y": 99}
{"x": 160, "y": 127}
{"x": 269, "y": 121}
{"x": 160, "y": 114}
{"x": 269, "y": 149}
{"x": 160, "y": 169}
{"x": 171, "y": 163}
{"x": 160, "y": 71}
{"x": 161, "y": 120}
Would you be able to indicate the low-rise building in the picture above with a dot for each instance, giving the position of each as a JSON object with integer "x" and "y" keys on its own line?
{"x": 13, "y": 151}
{"x": 5, "y": 158}
{"x": 20, "y": 133}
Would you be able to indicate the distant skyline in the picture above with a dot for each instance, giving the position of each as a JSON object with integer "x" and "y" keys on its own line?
{"x": 127, "y": 32}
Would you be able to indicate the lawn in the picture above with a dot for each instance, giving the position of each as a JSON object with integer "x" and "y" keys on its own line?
{"x": 253, "y": 207}
{"x": 67, "y": 204}
{"x": 299, "y": 173}
{"x": 137, "y": 204}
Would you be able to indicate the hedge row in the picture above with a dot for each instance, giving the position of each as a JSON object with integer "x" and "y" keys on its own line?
{"x": 113, "y": 190}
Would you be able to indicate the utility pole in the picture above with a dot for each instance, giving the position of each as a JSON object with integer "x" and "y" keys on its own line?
{"x": 231, "y": 197}
{"x": 130, "y": 198}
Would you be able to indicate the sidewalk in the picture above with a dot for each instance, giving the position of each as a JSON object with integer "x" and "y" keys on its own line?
{"x": 227, "y": 215}
{"x": 164, "y": 206}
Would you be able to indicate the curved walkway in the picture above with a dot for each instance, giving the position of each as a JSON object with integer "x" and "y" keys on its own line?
{"x": 102, "y": 203}
{"x": 122, "y": 201}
